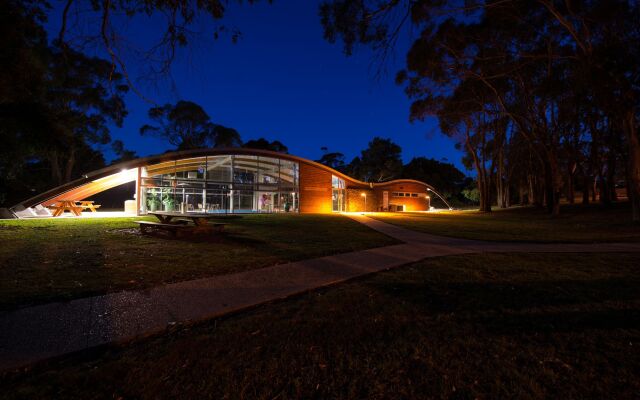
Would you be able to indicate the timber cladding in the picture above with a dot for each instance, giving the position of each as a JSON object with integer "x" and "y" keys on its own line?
{"x": 315, "y": 189}
{"x": 356, "y": 201}
{"x": 409, "y": 203}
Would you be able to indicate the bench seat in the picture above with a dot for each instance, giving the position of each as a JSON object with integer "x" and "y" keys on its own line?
{"x": 172, "y": 228}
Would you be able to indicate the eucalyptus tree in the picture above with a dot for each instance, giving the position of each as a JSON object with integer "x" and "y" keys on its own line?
{"x": 333, "y": 160}
{"x": 523, "y": 53}
{"x": 84, "y": 95}
{"x": 185, "y": 125}
{"x": 380, "y": 161}
{"x": 264, "y": 144}
{"x": 107, "y": 27}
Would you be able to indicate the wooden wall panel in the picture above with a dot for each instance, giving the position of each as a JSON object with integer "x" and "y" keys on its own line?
{"x": 410, "y": 203}
{"x": 356, "y": 202}
{"x": 315, "y": 190}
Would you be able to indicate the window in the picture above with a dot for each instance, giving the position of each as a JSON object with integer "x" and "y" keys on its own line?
{"x": 337, "y": 193}
{"x": 405, "y": 194}
{"x": 221, "y": 183}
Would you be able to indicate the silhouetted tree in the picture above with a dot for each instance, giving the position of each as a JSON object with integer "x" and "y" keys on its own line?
{"x": 264, "y": 144}
{"x": 83, "y": 96}
{"x": 380, "y": 161}
{"x": 334, "y": 160}
{"x": 172, "y": 30}
{"x": 226, "y": 137}
{"x": 445, "y": 177}
{"x": 122, "y": 154}
{"x": 575, "y": 75}
{"x": 186, "y": 125}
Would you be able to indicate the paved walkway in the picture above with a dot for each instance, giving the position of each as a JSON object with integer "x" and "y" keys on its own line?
{"x": 37, "y": 333}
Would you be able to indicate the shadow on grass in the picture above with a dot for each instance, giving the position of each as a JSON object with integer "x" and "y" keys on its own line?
{"x": 486, "y": 296}
{"x": 217, "y": 237}
{"x": 567, "y": 321}
{"x": 531, "y": 307}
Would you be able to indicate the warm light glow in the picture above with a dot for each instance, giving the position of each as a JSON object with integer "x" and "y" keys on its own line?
{"x": 363, "y": 194}
{"x": 428, "y": 197}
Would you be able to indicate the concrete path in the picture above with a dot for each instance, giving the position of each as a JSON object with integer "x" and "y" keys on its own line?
{"x": 37, "y": 333}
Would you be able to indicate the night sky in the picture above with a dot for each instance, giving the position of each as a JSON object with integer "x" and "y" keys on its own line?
{"x": 283, "y": 81}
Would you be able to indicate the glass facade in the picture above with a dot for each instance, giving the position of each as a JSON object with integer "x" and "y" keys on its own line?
{"x": 221, "y": 184}
{"x": 338, "y": 189}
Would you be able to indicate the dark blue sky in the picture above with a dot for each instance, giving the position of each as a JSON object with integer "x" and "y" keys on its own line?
{"x": 283, "y": 81}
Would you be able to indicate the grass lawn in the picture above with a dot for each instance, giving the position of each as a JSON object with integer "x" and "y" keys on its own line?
{"x": 577, "y": 224}
{"x": 55, "y": 259}
{"x": 472, "y": 326}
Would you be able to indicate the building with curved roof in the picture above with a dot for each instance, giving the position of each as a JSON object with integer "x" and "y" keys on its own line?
{"x": 238, "y": 180}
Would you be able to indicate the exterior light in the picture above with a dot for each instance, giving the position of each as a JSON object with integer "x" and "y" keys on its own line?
{"x": 363, "y": 194}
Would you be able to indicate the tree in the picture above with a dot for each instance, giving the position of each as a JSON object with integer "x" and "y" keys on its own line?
{"x": 264, "y": 144}
{"x": 445, "y": 177}
{"x": 122, "y": 154}
{"x": 380, "y": 161}
{"x": 186, "y": 125}
{"x": 171, "y": 31}
{"x": 226, "y": 137}
{"x": 83, "y": 96}
{"x": 333, "y": 160}
{"x": 23, "y": 66}
{"x": 53, "y": 104}
{"x": 556, "y": 70}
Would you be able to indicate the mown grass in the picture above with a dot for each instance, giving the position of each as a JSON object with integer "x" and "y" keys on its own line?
{"x": 57, "y": 259}
{"x": 576, "y": 224}
{"x": 475, "y": 326}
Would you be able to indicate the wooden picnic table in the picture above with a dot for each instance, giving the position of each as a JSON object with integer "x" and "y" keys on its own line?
{"x": 198, "y": 219}
{"x": 88, "y": 204}
{"x": 189, "y": 221}
{"x": 65, "y": 205}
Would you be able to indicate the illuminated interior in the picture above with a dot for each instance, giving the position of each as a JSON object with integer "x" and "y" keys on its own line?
{"x": 221, "y": 184}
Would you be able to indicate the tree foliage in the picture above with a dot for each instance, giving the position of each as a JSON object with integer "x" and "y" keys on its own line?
{"x": 445, "y": 177}
{"x": 379, "y": 162}
{"x": 542, "y": 95}
{"x": 186, "y": 125}
{"x": 104, "y": 27}
{"x": 333, "y": 160}
{"x": 54, "y": 105}
{"x": 264, "y": 144}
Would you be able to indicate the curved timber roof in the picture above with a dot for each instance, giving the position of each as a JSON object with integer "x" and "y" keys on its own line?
{"x": 117, "y": 174}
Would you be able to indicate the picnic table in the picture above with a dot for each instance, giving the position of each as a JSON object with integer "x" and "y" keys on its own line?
{"x": 65, "y": 205}
{"x": 76, "y": 207}
{"x": 175, "y": 222}
{"x": 88, "y": 204}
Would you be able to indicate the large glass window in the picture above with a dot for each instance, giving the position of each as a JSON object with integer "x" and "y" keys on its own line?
{"x": 221, "y": 184}
{"x": 338, "y": 193}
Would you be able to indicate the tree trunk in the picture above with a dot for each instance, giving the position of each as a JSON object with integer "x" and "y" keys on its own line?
{"x": 553, "y": 184}
{"x": 570, "y": 182}
{"x": 483, "y": 186}
{"x": 585, "y": 189}
{"x": 69, "y": 165}
{"x": 522, "y": 190}
{"x": 631, "y": 131}
{"x": 611, "y": 178}
{"x": 56, "y": 173}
